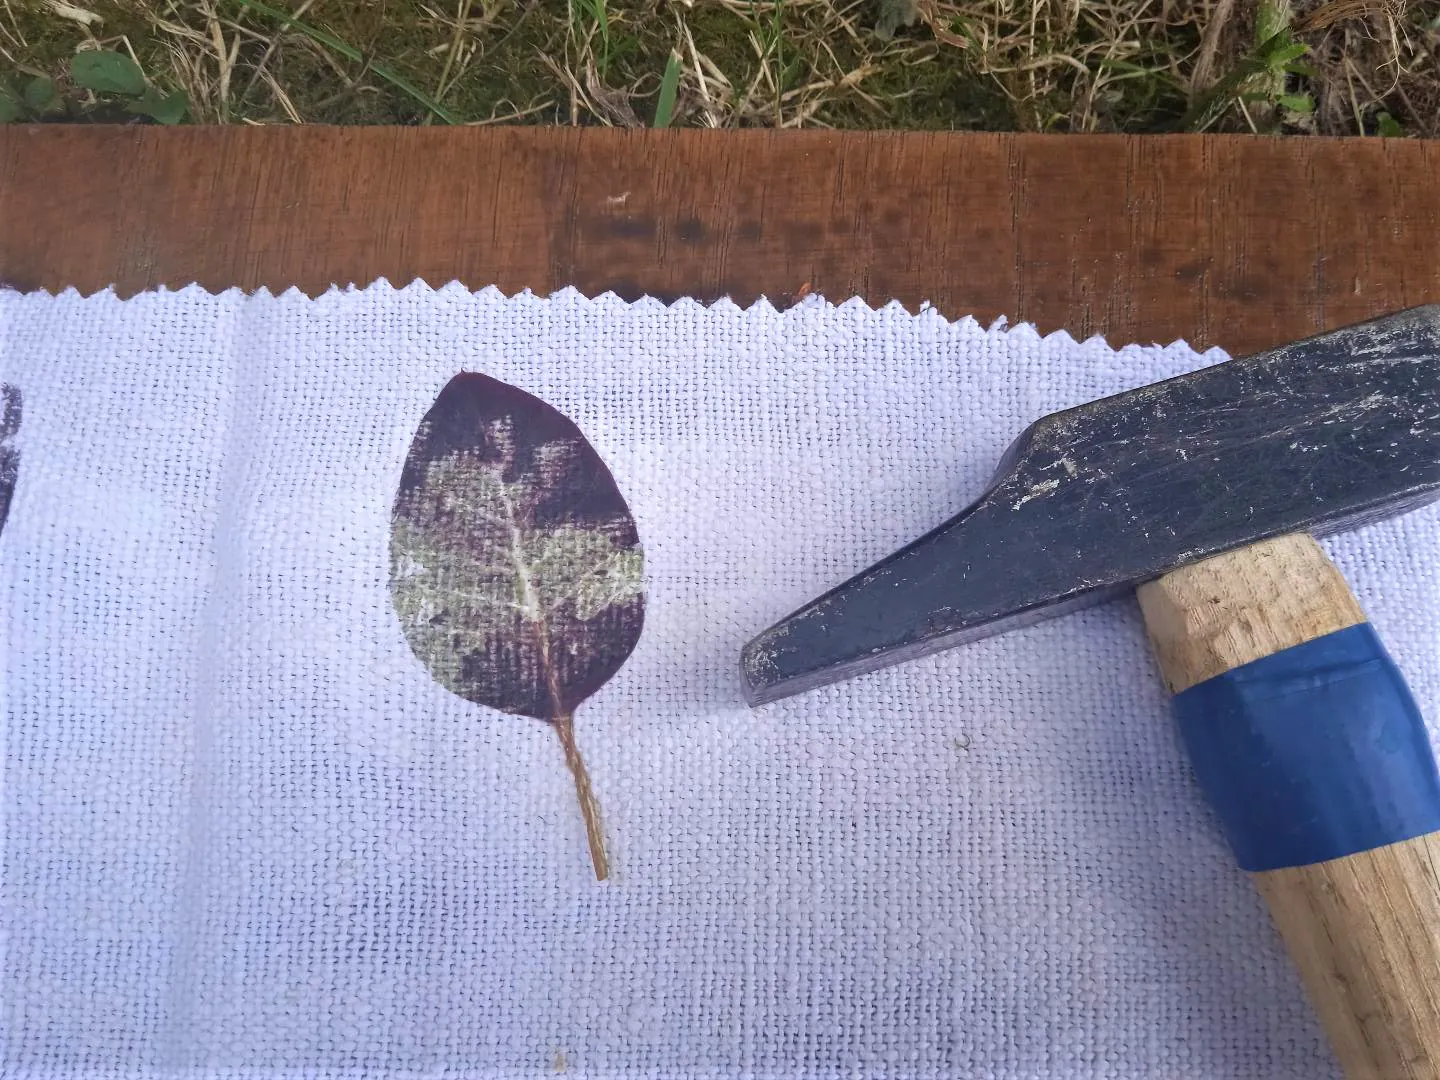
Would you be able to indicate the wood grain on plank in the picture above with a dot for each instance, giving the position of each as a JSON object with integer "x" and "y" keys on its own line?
{"x": 1230, "y": 241}
{"x": 1363, "y": 930}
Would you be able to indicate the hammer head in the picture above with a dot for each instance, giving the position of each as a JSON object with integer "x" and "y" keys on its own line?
{"x": 1318, "y": 436}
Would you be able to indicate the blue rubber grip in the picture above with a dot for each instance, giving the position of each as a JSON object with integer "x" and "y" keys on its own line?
{"x": 1312, "y": 753}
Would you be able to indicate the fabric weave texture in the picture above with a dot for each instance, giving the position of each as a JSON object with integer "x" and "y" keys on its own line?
{"x": 246, "y": 834}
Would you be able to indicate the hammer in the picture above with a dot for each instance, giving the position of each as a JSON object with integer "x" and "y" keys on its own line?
{"x": 1205, "y": 493}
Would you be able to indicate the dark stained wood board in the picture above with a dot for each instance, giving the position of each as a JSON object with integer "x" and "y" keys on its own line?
{"x": 1233, "y": 241}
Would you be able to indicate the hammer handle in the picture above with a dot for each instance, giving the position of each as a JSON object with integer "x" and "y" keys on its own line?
{"x": 1363, "y": 928}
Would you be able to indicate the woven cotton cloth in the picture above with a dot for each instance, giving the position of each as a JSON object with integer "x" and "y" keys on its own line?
{"x": 246, "y": 833}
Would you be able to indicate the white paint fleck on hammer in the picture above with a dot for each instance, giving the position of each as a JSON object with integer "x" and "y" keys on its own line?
{"x": 1043, "y": 488}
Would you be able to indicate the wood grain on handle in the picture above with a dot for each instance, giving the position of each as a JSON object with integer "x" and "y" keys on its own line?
{"x": 1364, "y": 930}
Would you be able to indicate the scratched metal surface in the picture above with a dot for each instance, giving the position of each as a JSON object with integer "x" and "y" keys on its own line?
{"x": 1320, "y": 435}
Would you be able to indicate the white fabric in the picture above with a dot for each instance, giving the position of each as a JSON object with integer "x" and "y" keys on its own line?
{"x": 245, "y": 833}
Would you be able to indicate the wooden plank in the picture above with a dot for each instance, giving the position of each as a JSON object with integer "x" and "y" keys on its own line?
{"x": 1234, "y": 241}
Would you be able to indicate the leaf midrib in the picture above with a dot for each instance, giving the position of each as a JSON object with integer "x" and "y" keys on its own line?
{"x": 530, "y": 600}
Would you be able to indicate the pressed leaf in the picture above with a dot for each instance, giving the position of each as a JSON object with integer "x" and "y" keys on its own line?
{"x": 107, "y": 72}
{"x": 9, "y": 455}
{"x": 515, "y": 566}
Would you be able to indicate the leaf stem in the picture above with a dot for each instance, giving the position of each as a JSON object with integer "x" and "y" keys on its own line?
{"x": 589, "y": 808}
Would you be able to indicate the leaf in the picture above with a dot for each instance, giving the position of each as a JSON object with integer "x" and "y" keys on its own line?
{"x": 669, "y": 84}
{"x": 107, "y": 72}
{"x": 1271, "y": 20}
{"x": 10, "y": 109}
{"x": 9, "y": 454}
{"x": 1300, "y": 103}
{"x": 515, "y": 566}
{"x": 163, "y": 108}
{"x": 1387, "y": 127}
{"x": 1282, "y": 54}
{"x": 40, "y": 95}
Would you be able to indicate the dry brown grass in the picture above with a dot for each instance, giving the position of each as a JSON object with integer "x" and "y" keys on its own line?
{"x": 1039, "y": 65}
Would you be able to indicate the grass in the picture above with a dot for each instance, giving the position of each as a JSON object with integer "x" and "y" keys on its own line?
{"x": 1341, "y": 67}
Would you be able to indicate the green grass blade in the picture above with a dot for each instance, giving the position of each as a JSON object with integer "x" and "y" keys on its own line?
{"x": 349, "y": 51}
{"x": 669, "y": 84}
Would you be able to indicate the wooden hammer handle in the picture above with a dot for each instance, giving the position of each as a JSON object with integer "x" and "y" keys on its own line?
{"x": 1363, "y": 928}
